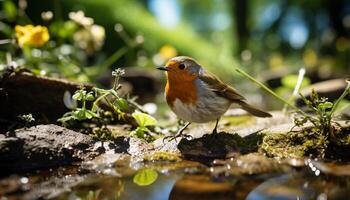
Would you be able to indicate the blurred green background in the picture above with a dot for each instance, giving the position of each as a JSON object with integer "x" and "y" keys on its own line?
{"x": 269, "y": 39}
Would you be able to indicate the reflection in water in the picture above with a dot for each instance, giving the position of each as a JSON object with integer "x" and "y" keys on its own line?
{"x": 151, "y": 184}
{"x": 204, "y": 188}
{"x": 301, "y": 186}
{"x": 145, "y": 177}
{"x": 97, "y": 188}
{"x": 200, "y": 187}
{"x": 278, "y": 188}
{"x": 159, "y": 190}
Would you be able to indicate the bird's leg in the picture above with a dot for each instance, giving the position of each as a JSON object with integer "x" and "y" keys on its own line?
{"x": 214, "y": 134}
{"x": 178, "y": 134}
{"x": 183, "y": 128}
{"x": 216, "y": 127}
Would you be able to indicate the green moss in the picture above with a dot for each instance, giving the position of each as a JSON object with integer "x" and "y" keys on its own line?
{"x": 308, "y": 142}
{"x": 278, "y": 145}
{"x": 162, "y": 156}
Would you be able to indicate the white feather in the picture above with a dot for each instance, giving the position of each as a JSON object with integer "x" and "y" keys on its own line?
{"x": 209, "y": 106}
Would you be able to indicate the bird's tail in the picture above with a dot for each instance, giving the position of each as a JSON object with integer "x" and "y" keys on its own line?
{"x": 254, "y": 111}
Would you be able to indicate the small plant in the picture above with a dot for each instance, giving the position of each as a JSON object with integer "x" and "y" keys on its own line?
{"x": 111, "y": 96}
{"x": 144, "y": 121}
{"x": 108, "y": 107}
{"x": 102, "y": 134}
{"x": 82, "y": 113}
{"x": 317, "y": 138}
{"x": 322, "y": 110}
{"x": 321, "y": 116}
{"x": 27, "y": 119}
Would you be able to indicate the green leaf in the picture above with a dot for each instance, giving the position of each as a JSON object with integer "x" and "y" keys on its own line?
{"x": 343, "y": 104}
{"x": 90, "y": 97}
{"x": 144, "y": 119}
{"x": 145, "y": 177}
{"x": 6, "y": 29}
{"x": 10, "y": 10}
{"x": 65, "y": 119}
{"x": 326, "y": 105}
{"x": 78, "y": 95}
{"x": 89, "y": 114}
{"x": 122, "y": 104}
{"x": 290, "y": 81}
{"x": 140, "y": 132}
{"x": 80, "y": 114}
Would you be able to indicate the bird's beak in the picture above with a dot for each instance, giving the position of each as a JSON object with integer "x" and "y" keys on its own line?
{"x": 164, "y": 68}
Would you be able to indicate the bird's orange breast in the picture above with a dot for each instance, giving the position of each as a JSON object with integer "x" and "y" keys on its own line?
{"x": 185, "y": 91}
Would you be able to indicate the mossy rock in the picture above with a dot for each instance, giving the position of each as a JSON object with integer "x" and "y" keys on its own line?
{"x": 279, "y": 145}
{"x": 308, "y": 143}
{"x": 162, "y": 156}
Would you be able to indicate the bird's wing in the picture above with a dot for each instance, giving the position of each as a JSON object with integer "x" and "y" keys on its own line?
{"x": 222, "y": 89}
{"x": 228, "y": 92}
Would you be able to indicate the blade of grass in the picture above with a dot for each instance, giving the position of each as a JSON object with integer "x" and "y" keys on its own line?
{"x": 342, "y": 96}
{"x": 296, "y": 88}
{"x": 268, "y": 90}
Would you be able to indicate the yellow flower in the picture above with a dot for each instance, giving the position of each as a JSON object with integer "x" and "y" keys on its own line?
{"x": 167, "y": 52}
{"x": 30, "y": 35}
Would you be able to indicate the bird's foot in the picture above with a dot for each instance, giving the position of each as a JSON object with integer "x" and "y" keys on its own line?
{"x": 178, "y": 135}
{"x": 213, "y": 136}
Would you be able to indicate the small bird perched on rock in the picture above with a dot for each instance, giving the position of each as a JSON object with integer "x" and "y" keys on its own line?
{"x": 196, "y": 95}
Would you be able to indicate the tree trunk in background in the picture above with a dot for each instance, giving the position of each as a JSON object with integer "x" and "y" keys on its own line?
{"x": 240, "y": 15}
{"x": 335, "y": 16}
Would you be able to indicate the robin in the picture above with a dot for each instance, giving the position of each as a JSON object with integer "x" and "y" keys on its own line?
{"x": 196, "y": 95}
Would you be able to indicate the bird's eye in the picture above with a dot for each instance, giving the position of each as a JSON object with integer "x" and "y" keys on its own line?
{"x": 182, "y": 66}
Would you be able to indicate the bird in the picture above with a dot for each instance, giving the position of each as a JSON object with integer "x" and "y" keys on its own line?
{"x": 196, "y": 95}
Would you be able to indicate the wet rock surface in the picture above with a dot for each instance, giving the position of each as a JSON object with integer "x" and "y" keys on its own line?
{"x": 249, "y": 164}
{"x": 42, "y": 146}
{"x": 209, "y": 147}
{"x": 44, "y": 185}
{"x": 240, "y": 169}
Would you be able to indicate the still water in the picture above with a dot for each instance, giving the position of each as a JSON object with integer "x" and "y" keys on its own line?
{"x": 181, "y": 184}
{"x": 257, "y": 180}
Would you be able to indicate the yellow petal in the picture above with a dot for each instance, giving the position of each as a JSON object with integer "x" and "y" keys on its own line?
{"x": 33, "y": 36}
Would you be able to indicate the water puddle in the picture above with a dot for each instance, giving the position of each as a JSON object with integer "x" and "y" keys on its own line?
{"x": 231, "y": 179}
{"x": 196, "y": 183}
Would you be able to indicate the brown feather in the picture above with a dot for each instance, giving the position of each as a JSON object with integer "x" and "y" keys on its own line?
{"x": 220, "y": 88}
{"x": 230, "y": 93}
